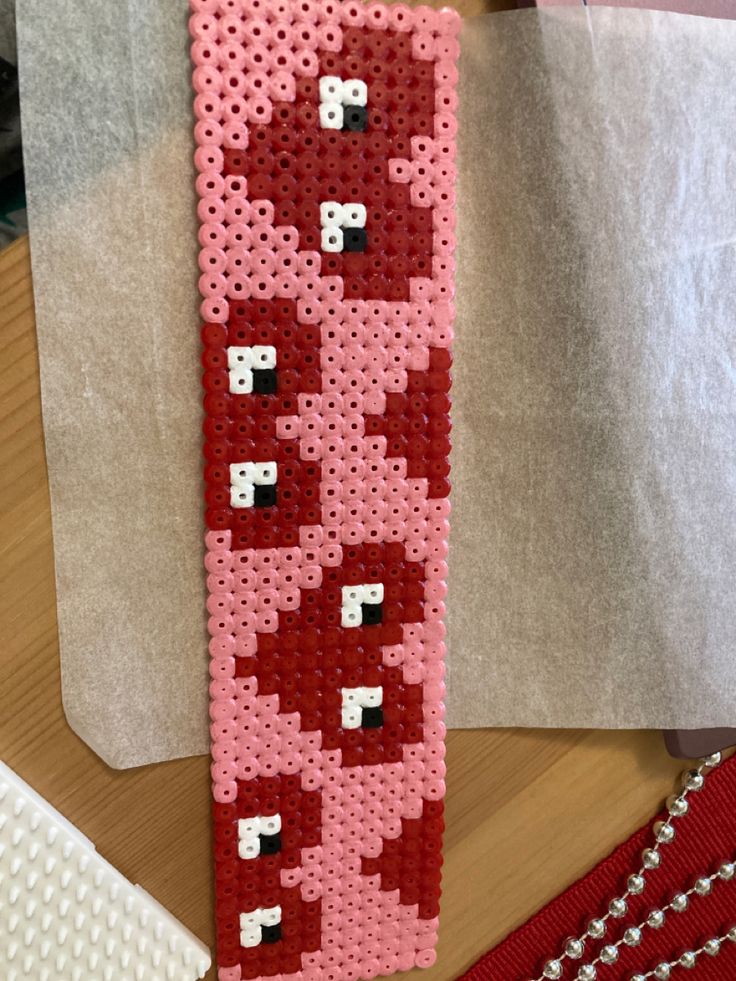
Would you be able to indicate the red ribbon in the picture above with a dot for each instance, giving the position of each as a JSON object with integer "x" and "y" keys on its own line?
{"x": 704, "y": 839}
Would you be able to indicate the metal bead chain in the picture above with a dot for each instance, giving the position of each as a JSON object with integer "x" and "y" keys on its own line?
{"x": 689, "y": 958}
{"x": 651, "y": 858}
{"x": 655, "y": 919}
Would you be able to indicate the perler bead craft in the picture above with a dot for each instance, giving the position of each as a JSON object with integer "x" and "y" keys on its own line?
{"x": 326, "y": 170}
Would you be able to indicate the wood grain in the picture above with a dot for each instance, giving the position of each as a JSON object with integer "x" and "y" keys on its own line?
{"x": 527, "y": 811}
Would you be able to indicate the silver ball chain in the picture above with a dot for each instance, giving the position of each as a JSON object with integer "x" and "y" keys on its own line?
{"x": 689, "y": 958}
{"x": 651, "y": 858}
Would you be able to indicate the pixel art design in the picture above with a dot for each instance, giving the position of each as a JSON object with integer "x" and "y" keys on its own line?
{"x": 325, "y": 155}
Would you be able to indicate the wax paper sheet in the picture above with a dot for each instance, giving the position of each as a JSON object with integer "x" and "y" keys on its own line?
{"x": 108, "y": 146}
{"x": 593, "y": 550}
{"x": 593, "y": 544}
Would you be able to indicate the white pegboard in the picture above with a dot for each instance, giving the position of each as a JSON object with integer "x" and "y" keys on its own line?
{"x": 67, "y": 913}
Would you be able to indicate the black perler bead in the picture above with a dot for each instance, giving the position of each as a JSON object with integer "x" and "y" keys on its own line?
{"x": 264, "y": 381}
{"x": 270, "y": 844}
{"x": 264, "y": 495}
{"x": 271, "y": 934}
{"x": 355, "y": 118}
{"x": 354, "y": 239}
{"x": 372, "y": 718}
{"x": 372, "y": 613}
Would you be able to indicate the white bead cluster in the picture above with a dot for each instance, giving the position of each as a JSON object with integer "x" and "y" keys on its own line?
{"x": 354, "y": 700}
{"x": 651, "y": 858}
{"x": 243, "y": 361}
{"x": 251, "y": 924}
{"x": 334, "y": 217}
{"x": 245, "y": 477}
{"x": 353, "y": 598}
{"x": 250, "y": 831}
{"x": 335, "y": 94}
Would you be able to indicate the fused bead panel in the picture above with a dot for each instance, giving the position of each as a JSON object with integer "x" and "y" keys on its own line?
{"x": 326, "y": 181}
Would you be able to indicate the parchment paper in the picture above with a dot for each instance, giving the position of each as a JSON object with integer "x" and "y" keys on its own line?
{"x": 594, "y": 543}
{"x": 107, "y": 135}
{"x": 593, "y": 553}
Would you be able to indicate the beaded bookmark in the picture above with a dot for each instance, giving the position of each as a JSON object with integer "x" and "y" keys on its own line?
{"x": 325, "y": 157}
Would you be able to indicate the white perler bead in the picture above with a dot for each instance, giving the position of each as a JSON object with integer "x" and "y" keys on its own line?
{"x": 331, "y": 115}
{"x": 354, "y": 92}
{"x": 271, "y": 825}
{"x": 272, "y": 916}
{"x": 250, "y": 935}
{"x": 331, "y": 213}
{"x": 351, "y": 716}
{"x": 240, "y": 357}
{"x": 330, "y": 89}
{"x": 51, "y": 878}
{"x": 354, "y": 215}
{"x": 242, "y": 497}
{"x": 332, "y": 239}
{"x": 373, "y": 593}
{"x": 352, "y": 595}
{"x": 264, "y": 356}
{"x": 240, "y": 382}
{"x": 372, "y": 697}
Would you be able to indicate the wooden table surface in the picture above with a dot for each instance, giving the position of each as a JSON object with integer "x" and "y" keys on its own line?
{"x": 528, "y": 811}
